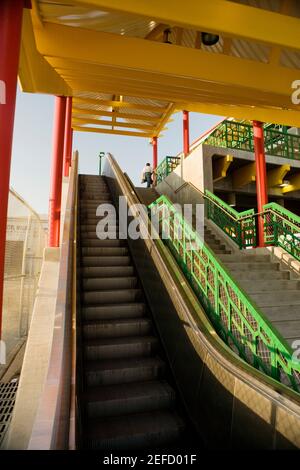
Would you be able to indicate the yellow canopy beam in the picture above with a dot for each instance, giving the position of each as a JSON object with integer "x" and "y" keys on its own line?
{"x": 294, "y": 184}
{"x": 276, "y": 175}
{"x": 260, "y": 113}
{"x": 120, "y": 104}
{"x": 133, "y": 53}
{"x": 217, "y": 16}
{"x": 110, "y": 131}
{"x": 116, "y": 123}
{"x": 86, "y": 112}
{"x": 244, "y": 175}
{"x": 220, "y": 167}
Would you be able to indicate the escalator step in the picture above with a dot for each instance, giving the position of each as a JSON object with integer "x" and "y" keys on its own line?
{"x": 142, "y": 430}
{"x": 111, "y": 296}
{"x": 117, "y": 328}
{"x": 116, "y": 311}
{"x": 106, "y": 260}
{"x": 109, "y": 283}
{"x": 123, "y": 399}
{"x": 107, "y": 271}
{"x": 119, "y": 371}
{"x": 104, "y": 251}
{"x": 115, "y": 348}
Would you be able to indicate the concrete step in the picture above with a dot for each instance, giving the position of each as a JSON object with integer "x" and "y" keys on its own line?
{"x": 285, "y": 313}
{"x": 268, "y": 285}
{"x": 113, "y": 312}
{"x": 105, "y": 243}
{"x": 120, "y": 371}
{"x": 258, "y": 275}
{"x": 117, "y": 348}
{"x": 107, "y": 271}
{"x": 104, "y": 251}
{"x": 289, "y": 329}
{"x": 136, "y": 431}
{"x": 111, "y": 296}
{"x": 274, "y": 299}
{"x": 109, "y": 283}
{"x": 117, "y": 328}
{"x": 253, "y": 266}
{"x": 90, "y": 261}
{"x": 243, "y": 258}
{"x": 124, "y": 399}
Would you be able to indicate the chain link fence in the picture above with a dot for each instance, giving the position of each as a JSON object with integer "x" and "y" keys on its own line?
{"x": 25, "y": 242}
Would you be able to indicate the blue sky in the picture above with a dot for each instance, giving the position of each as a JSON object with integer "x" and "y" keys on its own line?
{"x": 31, "y": 157}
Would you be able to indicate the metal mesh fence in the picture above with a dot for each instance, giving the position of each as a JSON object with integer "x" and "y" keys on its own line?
{"x": 25, "y": 242}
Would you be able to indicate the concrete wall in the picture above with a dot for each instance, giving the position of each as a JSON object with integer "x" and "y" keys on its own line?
{"x": 194, "y": 169}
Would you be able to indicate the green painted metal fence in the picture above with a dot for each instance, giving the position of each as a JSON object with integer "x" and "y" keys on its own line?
{"x": 239, "y": 226}
{"x": 239, "y": 135}
{"x": 282, "y": 228}
{"x": 237, "y": 320}
{"x": 166, "y": 167}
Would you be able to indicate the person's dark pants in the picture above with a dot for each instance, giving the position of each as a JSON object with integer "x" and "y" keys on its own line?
{"x": 148, "y": 179}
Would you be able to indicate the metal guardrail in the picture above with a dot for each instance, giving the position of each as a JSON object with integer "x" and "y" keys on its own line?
{"x": 237, "y": 320}
{"x": 239, "y": 136}
{"x": 282, "y": 228}
{"x": 239, "y": 226}
{"x": 166, "y": 167}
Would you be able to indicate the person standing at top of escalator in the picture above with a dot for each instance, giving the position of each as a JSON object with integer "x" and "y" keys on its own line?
{"x": 147, "y": 175}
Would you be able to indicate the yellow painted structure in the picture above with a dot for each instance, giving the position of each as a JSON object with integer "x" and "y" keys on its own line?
{"x": 244, "y": 175}
{"x": 110, "y": 56}
{"x": 220, "y": 167}
{"x": 276, "y": 175}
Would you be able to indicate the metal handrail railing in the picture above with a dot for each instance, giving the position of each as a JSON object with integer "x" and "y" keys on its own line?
{"x": 238, "y": 320}
{"x": 54, "y": 424}
{"x": 282, "y": 228}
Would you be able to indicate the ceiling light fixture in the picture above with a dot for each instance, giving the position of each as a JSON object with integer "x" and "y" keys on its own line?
{"x": 209, "y": 39}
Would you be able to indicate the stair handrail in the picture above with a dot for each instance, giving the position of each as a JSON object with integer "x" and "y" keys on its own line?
{"x": 239, "y": 226}
{"x": 238, "y": 320}
{"x": 282, "y": 228}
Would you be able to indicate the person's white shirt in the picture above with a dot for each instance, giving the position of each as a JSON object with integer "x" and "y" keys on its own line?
{"x": 146, "y": 169}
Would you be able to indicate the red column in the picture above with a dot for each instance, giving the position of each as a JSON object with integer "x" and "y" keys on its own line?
{"x": 68, "y": 137}
{"x": 11, "y": 12}
{"x": 56, "y": 170}
{"x": 261, "y": 176}
{"x": 154, "y": 144}
{"x": 186, "y": 133}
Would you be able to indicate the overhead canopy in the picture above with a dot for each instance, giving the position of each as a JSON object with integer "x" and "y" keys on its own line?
{"x": 110, "y": 55}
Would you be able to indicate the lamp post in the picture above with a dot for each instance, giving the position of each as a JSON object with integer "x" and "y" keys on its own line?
{"x": 101, "y": 155}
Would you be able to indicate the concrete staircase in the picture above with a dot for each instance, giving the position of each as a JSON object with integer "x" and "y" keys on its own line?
{"x": 271, "y": 285}
{"x": 127, "y": 402}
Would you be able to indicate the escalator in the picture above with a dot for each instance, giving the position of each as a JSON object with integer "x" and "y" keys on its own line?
{"x": 127, "y": 398}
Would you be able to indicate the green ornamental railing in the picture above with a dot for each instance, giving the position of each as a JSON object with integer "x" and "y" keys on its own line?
{"x": 239, "y": 135}
{"x": 166, "y": 167}
{"x": 239, "y": 226}
{"x": 282, "y": 228}
{"x": 237, "y": 320}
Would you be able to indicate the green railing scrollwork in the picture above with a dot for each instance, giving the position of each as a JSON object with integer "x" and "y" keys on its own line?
{"x": 166, "y": 167}
{"x": 282, "y": 228}
{"x": 239, "y": 226}
{"x": 239, "y": 135}
{"x": 237, "y": 320}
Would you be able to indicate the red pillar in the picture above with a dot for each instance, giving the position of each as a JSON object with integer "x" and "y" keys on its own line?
{"x": 68, "y": 137}
{"x": 186, "y": 133}
{"x": 11, "y": 12}
{"x": 154, "y": 144}
{"x": 56, "y": 170}
{"x": 261, "y": 176}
